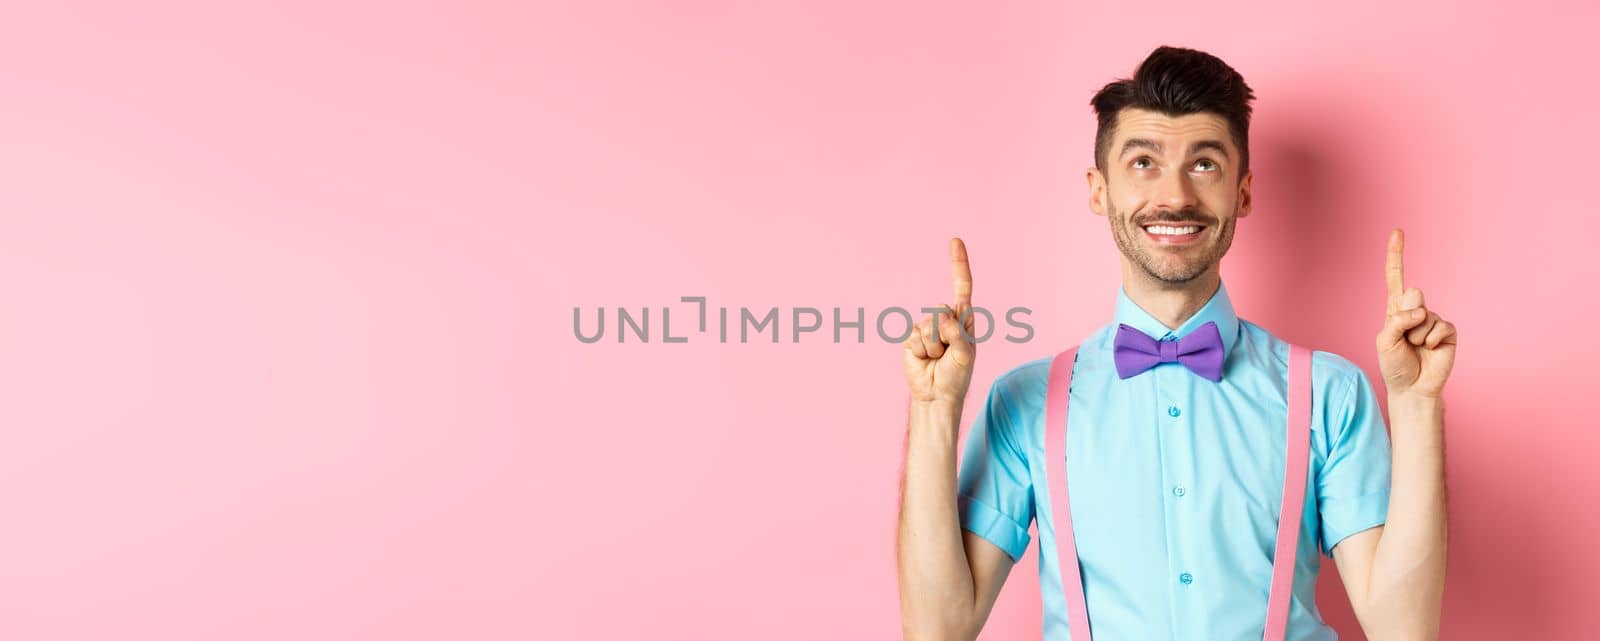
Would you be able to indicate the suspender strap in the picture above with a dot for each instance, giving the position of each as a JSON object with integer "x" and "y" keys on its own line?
{"x": 1294, "y": 492}
{"x": 1055, "y": 449}
{"x": 1298, "y": 432}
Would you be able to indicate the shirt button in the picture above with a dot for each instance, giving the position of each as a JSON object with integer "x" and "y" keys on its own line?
{"x": 1173, "y": 411}
{"x": 1178, "y": 490}
{"x": 1185, "y": 578}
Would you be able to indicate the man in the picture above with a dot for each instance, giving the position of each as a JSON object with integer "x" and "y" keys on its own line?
{"x": 1176, "y": 478}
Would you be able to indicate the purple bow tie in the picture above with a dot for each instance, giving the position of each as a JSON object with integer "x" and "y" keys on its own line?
{"x": 1200, "y": 351}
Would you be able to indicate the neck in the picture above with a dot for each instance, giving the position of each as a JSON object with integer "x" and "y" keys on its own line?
{"x": 1170, "y": 303}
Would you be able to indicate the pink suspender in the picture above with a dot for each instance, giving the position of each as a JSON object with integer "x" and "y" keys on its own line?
{"x": 1294, "y": 484}
{"x": 1294, "y": 492}
{"x": 1055, "y": 454}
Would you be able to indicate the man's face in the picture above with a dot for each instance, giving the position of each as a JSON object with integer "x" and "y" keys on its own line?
{"x": 1172, "y": 191}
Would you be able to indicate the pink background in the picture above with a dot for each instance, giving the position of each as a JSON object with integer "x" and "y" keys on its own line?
{"x": 288, "y": 295}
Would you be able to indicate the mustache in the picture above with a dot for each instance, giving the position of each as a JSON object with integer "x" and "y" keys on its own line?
{"x": 1177, "y": 217}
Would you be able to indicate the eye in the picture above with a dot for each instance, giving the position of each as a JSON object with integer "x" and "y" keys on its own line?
{"x": 1143, "y": 162}
{"x": 1205, "y": 164}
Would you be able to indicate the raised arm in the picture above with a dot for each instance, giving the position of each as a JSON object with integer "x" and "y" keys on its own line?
{"x": 1395, "y": 573}
{"x": 949, "y": 577}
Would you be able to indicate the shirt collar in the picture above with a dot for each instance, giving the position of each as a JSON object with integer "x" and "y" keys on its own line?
{"x": 1219, "y": 309}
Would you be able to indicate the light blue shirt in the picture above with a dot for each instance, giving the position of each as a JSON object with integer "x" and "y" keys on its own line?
{"x": 1176, "y": 481}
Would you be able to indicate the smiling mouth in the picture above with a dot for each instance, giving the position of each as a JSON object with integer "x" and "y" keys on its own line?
{"x": 1174, "y": 233}
{"x": 1174, "y": 230}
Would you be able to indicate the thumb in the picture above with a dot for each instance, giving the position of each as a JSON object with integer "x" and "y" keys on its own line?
{"x": 950, "y": 329}
{"x": 961, "y": 349}
{"x": 1395, "y": 326}
{"x": 966, "y": 319}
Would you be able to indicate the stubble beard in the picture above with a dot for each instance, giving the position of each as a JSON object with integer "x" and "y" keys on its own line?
{"x": 1175, "y": 268}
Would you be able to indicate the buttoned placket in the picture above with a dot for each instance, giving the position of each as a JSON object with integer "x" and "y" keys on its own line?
{"x": 1175, "y": 437}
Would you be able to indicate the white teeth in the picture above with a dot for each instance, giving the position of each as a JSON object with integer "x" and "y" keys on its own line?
{"x": 1171, "y": 231}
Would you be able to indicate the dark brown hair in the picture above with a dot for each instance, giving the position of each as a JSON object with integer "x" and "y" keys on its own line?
{"x": 1176, "y": 82}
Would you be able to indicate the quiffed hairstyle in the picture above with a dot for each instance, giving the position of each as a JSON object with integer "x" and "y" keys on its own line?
{"x": 1176, "y": 82}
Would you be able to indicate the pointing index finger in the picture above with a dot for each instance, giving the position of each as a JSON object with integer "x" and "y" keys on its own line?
{"x": 960, "y": 273}
{"x": 1395, "y": 271}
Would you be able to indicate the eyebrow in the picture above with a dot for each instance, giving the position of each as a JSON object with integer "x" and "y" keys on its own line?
{"x": 1142, "y": 143}
{"x": 1139, "y": 143}
{"x": 1212, "y": 144}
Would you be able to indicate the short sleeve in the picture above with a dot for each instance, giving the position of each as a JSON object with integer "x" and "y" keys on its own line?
{"x": 994, "y": 493}
{"x": 1353, "y": 483}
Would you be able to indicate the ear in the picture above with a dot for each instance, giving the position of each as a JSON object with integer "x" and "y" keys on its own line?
{"x": 1244, "y": 194}
{"x": 1097, "y": 190}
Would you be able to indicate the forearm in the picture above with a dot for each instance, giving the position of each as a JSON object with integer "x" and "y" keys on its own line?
{"x": 1406, "y": 589}
{"x": 936, "y": 586}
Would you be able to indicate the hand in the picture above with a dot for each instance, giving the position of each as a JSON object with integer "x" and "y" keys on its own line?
{"x": 938, "y": 362}
{"x": 1416, "y": 347}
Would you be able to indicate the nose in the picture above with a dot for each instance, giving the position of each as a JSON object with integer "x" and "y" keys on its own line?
{"x": 1175, "y": 191}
